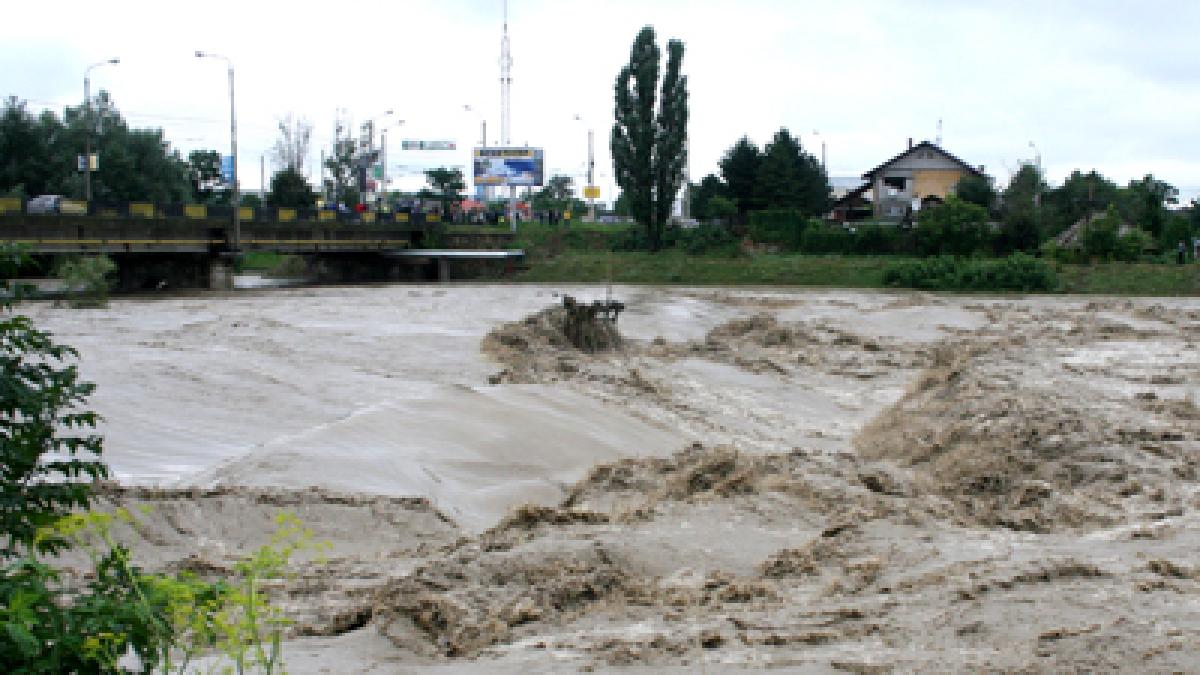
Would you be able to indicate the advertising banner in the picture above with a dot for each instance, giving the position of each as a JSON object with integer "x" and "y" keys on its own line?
{"x": 523, "y": 167}
{"x": 409, "y": 144}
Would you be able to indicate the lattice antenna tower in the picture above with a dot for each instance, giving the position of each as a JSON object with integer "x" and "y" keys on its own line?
{"x": 505, "y": 81}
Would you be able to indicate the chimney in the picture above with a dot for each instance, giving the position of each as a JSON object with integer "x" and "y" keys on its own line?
{"x": 910, "y": 142}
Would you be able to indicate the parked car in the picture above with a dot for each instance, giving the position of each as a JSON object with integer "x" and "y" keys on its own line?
{"x": 55, "y": 204}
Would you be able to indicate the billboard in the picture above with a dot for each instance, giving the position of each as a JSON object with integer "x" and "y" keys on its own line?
{"x": 509, "y": 166}
{"x": 410, "y": 144}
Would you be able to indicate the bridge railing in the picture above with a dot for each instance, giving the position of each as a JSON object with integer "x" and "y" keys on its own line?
{"x": 260, "y": 214}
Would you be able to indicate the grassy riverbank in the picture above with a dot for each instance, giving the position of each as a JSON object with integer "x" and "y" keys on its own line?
{"x": 783, "y": 269}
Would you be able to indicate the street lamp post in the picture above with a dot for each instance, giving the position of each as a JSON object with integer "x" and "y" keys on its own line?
{"x": 369, "y": 128}
{"x": 1037, "y": 155}
{"x": 383, "y": 152}
{"x": 591, "y": 172}
{"x": 87, "y": 111}
{"x": 481, "y": 192}
{"x": 237, "y": 216}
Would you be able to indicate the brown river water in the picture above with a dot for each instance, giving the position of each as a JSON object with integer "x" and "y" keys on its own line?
{"x": 811, "y": 480}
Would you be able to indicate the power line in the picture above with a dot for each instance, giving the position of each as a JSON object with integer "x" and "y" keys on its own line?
{"x": 151, "y": 116}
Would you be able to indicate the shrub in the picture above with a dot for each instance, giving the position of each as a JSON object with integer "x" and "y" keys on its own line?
{"x": 1017, "y": 272}
{"x": 47, "y": 451}
{"x": 49, "y": 458}
{"x": 1100, "y": 235}
{"x": 1132, "y": 245}
{"x": 826, "y": 238}
{"x": 782, "y": 227}
{"x": 955, "y": 227}
{"x": 86, "y": 279}
{"x": 706, "y": 238}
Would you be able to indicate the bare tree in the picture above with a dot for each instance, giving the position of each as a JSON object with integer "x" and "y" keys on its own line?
{"x": 291, "y": 149}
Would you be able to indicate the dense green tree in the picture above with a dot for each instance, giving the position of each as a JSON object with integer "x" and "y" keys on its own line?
{"x": 446, "y": 185}
{"x": 1099, "y": 237}
{"x": 976, "y": 189}
{"x": 342, "y": 186}
{"x": 135, "y": 164}
{"x": 1022, "y": 213}
{"x": 739, "y": 168}
{"x": 701, "y": 193}
{"x": 204, "y": 173}
{"x": 1079, "y": 195}
{"x": 721, "y": 208}
{"x": 955, "y": 227}
{"x": 558, "y": 195}
{"x": 621, "y": 206}
{"x": 39, "y": 156}
{"x": 790, "y": 178}
{"x": 1145, "y": 204}
{"x": 649, "y": 136}
{"x": 290, "y": 188}
{"x": 26, "y": 167}
{"x": 1177, "y": 227}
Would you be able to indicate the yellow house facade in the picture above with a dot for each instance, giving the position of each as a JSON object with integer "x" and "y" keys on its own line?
{"x": 900, "y": 185}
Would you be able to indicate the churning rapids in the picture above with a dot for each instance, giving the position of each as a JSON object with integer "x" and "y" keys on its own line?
{"x": 750, "y": 478}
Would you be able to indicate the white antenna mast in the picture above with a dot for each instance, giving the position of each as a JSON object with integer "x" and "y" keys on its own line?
{"x": 505, "y": 81}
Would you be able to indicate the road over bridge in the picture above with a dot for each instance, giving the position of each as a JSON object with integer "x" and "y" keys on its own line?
{"x": 191, "y": 252}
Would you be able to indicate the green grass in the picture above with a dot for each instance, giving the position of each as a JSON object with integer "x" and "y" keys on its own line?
{"x": 1130, "y": 279}
{"x": 261, "y": 261}
{"x": 675, "y": 267}
{"x": 785, "y": 269}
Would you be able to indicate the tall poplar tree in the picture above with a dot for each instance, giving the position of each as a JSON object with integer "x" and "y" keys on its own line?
{"x": 649, "y": 141}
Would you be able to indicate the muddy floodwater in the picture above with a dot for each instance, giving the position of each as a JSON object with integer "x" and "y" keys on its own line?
{"x": 754, "y": 478}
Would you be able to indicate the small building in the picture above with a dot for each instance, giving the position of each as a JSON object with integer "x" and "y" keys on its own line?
{"x": 921, "y": 174}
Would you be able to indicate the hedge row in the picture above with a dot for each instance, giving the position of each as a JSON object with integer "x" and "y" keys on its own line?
{"x": 1017, "y": 272}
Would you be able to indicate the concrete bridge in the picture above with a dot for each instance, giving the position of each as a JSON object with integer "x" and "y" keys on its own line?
{"x": 154, "y": 249}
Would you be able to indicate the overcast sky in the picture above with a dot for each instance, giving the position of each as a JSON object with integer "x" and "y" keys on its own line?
{"x": 1108, "y": 85}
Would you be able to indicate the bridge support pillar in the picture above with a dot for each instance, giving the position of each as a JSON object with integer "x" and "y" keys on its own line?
{"x": 220, "y": 275}
{"x": 443, "y": 267}
{"x": 157, "y": 271}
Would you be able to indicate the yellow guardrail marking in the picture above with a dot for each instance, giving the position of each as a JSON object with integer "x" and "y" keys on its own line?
{"x": 324, "y": 241}
{"x": 116, "y": 241}
{"x": 261, "y": 242}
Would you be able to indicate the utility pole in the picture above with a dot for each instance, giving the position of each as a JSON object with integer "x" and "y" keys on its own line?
{"x": 591, "y": 178}
{"x": 236, "y": 244}
{"x": 505, "y": 108}
{"x": 1037, "y": 154}
{"x": 89, "y": 120}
